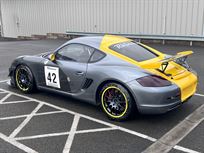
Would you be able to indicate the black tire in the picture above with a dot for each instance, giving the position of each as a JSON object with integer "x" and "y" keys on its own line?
{"x": 120, "y": 105}
{"x": 24, "y": 79}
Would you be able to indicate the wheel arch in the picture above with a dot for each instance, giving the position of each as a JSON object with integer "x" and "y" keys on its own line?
{"x": 23, "y": 64}
{"x": 97, "y": 93}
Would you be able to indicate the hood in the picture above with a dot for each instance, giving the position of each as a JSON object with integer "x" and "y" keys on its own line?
{"x": 43, "y": 54}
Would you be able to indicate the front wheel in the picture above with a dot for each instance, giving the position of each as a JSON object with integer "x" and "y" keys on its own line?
{"x": 116, "y": 101}
{"x": 24, "y": 79}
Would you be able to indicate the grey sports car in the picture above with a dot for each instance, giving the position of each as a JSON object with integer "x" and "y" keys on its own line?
{"x": 119, "y": 74}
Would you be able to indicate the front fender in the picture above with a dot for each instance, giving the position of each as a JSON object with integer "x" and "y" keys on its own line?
{"x": 31, "y": 61}
{"x": 18, "y": 61}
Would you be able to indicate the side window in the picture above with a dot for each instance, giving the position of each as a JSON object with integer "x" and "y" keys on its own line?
{"x": 75, "y": 52}
{"x": 97, "y": 56}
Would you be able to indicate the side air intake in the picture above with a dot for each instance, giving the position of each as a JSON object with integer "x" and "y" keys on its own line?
{"x": 87, "y": 83}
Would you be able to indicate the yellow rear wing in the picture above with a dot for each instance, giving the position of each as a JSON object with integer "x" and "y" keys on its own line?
{"x": 164, "y": 62}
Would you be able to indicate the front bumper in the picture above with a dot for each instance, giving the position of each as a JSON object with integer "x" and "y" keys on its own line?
{"x": 155, "y": 100}
{"x": 11, "y": 75}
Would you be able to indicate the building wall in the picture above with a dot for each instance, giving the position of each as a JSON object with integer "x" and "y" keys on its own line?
{"x": 154, "y": 17}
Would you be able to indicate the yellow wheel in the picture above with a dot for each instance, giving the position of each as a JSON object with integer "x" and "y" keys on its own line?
{"x": 116, "y": 101}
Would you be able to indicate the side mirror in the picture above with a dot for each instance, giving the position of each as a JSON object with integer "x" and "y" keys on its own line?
{"x": 52, "y": 57}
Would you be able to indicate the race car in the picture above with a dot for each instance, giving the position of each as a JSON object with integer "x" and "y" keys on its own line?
{"x": 123, "y": 76}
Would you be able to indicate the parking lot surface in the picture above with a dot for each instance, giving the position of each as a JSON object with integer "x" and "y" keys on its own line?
{"x": 51, "y": 123}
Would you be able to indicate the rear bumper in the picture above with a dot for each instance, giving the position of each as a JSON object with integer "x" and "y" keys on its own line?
{"x": 158, "y": 109}
{"x": 161, "y": 109}
{"x": 187, "y": 85}
{"x": 155, "y": 100}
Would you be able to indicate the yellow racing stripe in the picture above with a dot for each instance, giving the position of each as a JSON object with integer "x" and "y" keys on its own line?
{"x": 187, "y": 81}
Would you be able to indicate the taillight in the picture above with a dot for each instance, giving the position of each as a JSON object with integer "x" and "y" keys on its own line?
{"x": 153, "y": 81}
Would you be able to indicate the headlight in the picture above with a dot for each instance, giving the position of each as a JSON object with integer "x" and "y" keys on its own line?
{"x": 153, "y": 81}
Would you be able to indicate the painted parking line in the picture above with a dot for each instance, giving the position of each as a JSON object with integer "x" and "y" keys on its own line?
{"x": 72, "y": 133}
{"x": 20, "y": 127}
{"x": 16, "y": 144}
{"x": 185, "y": 149}
{"x": 38, "y": 114}
{"x": 65, "y": 133}
{"x": 197, "y": 94}
{"x": 15, "y": 102}
{"x": 3, "y": 81}
{"x": 5, "y": 97}
{"x": 175, "y": 135}
{"x": 69, "y": 140}
{"x": 85, "y": 116}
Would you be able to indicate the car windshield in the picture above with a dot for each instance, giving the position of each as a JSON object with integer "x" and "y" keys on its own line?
{"x": 133, "y": 51}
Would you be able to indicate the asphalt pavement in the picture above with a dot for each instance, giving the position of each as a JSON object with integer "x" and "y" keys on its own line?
{"x": 50, "y": 123}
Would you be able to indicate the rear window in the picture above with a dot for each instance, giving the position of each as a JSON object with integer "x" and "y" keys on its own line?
{"x": 133, "y": 51}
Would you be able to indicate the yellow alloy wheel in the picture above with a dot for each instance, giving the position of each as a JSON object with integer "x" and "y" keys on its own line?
{"x": 114, "y": 102}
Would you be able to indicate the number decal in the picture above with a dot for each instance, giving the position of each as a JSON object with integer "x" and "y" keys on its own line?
{"x": 49, "y": 77}
{"x": 52, "y": 76}
{"x": 54, "y": 79}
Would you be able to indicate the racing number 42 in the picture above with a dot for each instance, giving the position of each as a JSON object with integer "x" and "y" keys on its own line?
{"x": 52, "y": 76}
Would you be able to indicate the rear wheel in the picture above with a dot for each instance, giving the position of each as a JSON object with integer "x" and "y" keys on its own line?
{"x": 116, "y": 101}
{"x": 24, "y": 79}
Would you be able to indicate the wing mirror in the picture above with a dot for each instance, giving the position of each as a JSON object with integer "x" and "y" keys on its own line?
{"x": 52, "y": 57}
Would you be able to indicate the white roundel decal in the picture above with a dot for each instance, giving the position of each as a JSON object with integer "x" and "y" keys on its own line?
{"x": 52, "y": 76}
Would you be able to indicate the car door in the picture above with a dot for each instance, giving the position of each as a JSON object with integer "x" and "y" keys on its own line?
{"x": 51, "y": 76}
{"x": 72, "y": 60}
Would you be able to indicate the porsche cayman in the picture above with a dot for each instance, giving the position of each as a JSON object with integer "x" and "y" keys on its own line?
{"x": 121, "y": 75}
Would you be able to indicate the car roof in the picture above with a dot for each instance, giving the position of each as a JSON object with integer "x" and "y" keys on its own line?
{"x": 98, "y": 41}
{"x": 93, "y": 41}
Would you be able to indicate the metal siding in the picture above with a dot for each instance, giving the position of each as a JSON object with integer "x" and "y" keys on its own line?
{"x": 198, "y": 27}
{"x": 172, "y": 17}
{"x": 202, "y": 27}
{"x": 178, "y": 17}
{"x": 136, "y": 17}
{"x": 160, "y": 17}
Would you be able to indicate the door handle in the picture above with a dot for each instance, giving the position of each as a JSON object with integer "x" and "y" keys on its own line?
{"x": 80, "y": 73}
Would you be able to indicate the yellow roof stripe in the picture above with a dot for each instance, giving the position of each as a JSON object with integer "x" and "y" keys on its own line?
{"x": 174, "y": 68}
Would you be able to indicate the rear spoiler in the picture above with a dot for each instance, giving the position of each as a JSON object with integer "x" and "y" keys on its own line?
{"x": 164, "y": 62}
